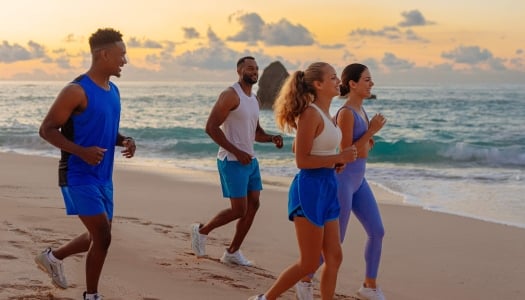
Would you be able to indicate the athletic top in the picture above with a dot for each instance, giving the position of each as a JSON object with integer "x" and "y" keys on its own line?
{"x": 97, "y": 125}
{"x": 328, "y": 140}
{"x": 240, "y": 125}
{"x": 355, "y": 171}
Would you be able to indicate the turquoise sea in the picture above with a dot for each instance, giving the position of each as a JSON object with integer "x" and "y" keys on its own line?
{"x": 458, "y": 149}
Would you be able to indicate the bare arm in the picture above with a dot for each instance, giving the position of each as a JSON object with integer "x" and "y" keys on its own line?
{"x": 310, "y": 125}
{"x": 345, "y": 121}
{"x": 262, "y": 137}
{"x": 69, "y": 101}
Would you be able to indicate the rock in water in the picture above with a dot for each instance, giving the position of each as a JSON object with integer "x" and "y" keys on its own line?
{"x": 270, "y": 83}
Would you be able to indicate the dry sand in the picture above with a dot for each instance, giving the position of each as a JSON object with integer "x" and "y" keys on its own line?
{"x": 426, "y": 255}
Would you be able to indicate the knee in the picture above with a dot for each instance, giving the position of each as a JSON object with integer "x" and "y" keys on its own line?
{"x": 102, "y": 240}
{"x": 379, "y": 233}
{"x": 334, "y": 259}
{"x": 308, "y": 267}
{"x": 254, "y": 204}
{"x": 239, "y": 212}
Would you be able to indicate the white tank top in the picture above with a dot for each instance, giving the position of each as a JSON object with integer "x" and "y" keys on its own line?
{"x": 327, "y": 142}
{"x": 240, "y": 125}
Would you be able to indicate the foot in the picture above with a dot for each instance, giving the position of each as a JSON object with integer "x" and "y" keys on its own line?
{"x": 304, "y": 290}
{"x": 54, "y": 269}
{"x": 365, "y": 293}
{"x": 198, "y": 241}
{"x": 235, "y": 258}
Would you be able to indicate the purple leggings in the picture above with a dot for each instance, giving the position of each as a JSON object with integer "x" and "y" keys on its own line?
{"x": 355, "y": 196}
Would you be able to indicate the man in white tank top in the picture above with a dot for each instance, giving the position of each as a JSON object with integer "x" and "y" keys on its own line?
{"x": 234, "y": 125}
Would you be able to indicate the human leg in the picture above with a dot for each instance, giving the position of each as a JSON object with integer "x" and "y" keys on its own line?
{"x": 367, "y": 212}
{"x": 310, "y": 240}
{"x": 333, "y": 257}
{"x": 344, "y": 196}
{"x": 99, "y": 228}
{"x": 245, "y": 222}
{"x": 238, "y": 208}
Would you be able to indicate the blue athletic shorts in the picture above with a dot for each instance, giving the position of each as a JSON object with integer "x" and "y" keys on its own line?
{"x": 238, "y": 179}
{"x": 313, "y": 194}
{"x": 88, "y": 200}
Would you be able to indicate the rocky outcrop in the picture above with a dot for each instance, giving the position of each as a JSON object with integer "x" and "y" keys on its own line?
{"x": 270, "y": 83}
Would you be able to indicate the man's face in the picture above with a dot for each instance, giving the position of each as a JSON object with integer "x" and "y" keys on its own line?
{"x": 249, "y": 71}
{"x": 116, "y": 58}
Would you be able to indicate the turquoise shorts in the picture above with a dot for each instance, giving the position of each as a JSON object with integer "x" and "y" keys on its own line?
{"x": 238, "y": 179}
{"x": 88, "y": 200}
{"x": 313, "y": 195}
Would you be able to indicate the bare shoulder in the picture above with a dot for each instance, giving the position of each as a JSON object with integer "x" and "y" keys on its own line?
{"x": 228, "y": 99}
{"x": 72, "y": 90}
{"x": 310, "y": 115}
{"x": 72, "y": 97}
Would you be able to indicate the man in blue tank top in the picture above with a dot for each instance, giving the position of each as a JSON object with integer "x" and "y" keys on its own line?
{"x": 233, "y": 124}
{"x": 83, "y": 123}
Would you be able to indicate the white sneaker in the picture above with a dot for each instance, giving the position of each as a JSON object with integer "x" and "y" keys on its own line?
{"x": 304, "y": 290}
{"x": 96, "y": 297}
{"x": 54, "y": 269}
{"x": 370, "y": 294}
{"x": 235, "y": 258}
{"x": 198, "y": 241}
{"x": 258, "y": 297}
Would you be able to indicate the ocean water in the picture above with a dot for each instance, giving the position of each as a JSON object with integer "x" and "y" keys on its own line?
{"x": 456, "y": 149}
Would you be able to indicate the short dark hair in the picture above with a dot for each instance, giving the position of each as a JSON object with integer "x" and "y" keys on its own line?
{"x": 103, "y": 37}
{"x": 242, "y": 59}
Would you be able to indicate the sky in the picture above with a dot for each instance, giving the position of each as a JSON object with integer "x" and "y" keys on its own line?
{"x": 402, "y": 42}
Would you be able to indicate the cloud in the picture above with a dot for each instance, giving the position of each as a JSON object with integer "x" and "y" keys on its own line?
{"x": 414, "y": 18}
{"x": 496, "y": 64}
{"x": 252, "y": 29}
{"x": 13, "y": 53}
{"x": 517, "y": 63}
{"x": 393, "y": 62}
{"x": 63, "y": 62}
{"x": 389, "y": 32}
{"x": 72, "y": 38}
{"x": 134, "y": 42}
{"x": 519, "y": 51}
{"x": 190, "y": 33}
{"x": 282, "y": 33}
{"x": 470, "y": 55}
{"x": 332, "y": 46}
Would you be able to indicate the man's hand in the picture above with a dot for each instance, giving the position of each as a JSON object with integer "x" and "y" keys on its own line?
{"x": 278, "y": 141}
{"x": 129, "y": 147}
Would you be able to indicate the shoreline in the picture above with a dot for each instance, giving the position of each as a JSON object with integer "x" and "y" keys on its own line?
{"x": 424, "y": 253}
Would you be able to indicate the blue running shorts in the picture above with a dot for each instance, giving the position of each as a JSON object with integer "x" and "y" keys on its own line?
{"x": 238, "y": 179}
{"x": 313, "y": 194}
{"x": 88, "y": 200}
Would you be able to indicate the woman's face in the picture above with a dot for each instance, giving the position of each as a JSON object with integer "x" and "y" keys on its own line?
{"x": 330, "y": 84}
{"x": 363, "y": 87}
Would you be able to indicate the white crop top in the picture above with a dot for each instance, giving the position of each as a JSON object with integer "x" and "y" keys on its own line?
{"x": 327, "y": 142}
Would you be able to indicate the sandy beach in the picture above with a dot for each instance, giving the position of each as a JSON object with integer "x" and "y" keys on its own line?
{"x": 426, "y": 255}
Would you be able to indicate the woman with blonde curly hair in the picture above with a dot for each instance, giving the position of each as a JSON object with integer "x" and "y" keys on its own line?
{"x": 303, "y": 107}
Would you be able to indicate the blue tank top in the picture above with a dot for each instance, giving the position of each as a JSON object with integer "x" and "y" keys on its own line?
{"x": 355, "y": 171}
{"x": 97, "y": 125}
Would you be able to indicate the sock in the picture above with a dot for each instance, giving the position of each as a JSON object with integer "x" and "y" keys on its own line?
{"x": 52, "y": 258}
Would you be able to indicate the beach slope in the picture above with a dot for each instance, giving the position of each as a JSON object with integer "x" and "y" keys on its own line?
{"x": 426, "y": 255}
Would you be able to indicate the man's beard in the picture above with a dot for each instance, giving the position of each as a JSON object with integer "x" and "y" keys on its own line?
{"x": 248, "y": 79}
